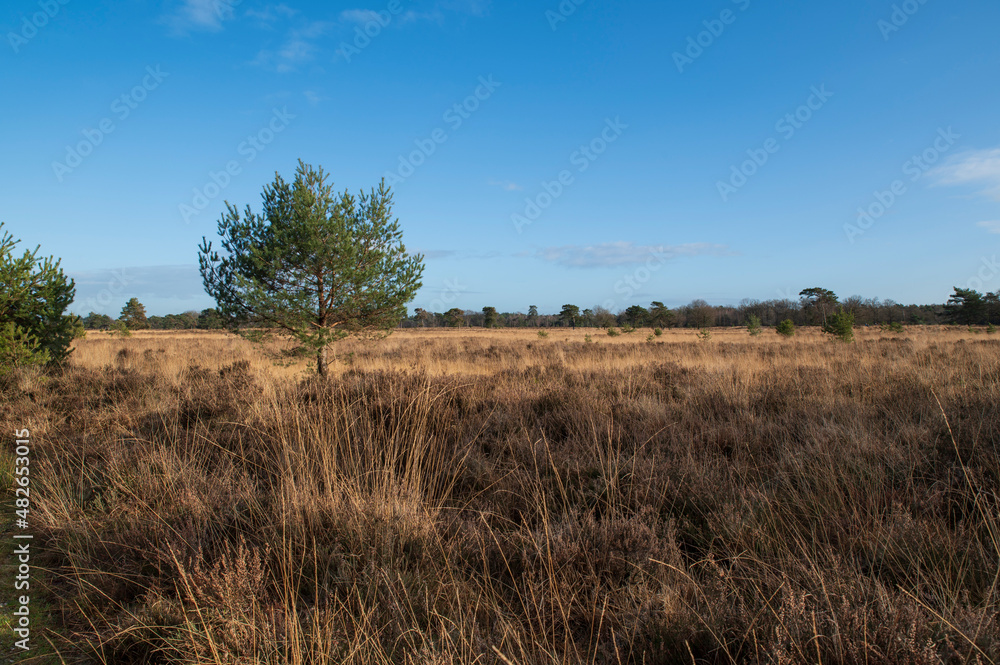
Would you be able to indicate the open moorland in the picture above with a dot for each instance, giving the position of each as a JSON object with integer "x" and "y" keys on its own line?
{"x": 474, "y": 496}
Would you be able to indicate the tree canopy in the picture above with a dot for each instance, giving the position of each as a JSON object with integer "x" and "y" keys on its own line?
{"x": 313, "y": 265}
{"x": 819, "y": 300}
{"x": 489, "y": 317}
{"x": 133, "y": 315}
{"x": 660, "y": 315}
{"x": 636, "y": 316}
{"x": 966, "y": 306}
{"x": 569, "y": 315}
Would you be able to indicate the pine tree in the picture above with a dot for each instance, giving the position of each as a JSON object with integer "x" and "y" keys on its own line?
{"x": 34, "y": 296}
{"x": 133, "y": 315}
{"x": 314, "y": 266}
{"x": 489, "y": 317}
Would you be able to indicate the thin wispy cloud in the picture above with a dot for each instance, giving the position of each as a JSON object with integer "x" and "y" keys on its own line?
{"x": 471, "y": 7}
{"x": 477, "y": 8}
{"x": 991, "y": 227}
{"x": 441, "y": 254}
{"x": 506, "y": 185}
{"x": 156, "y": 281}
{"x": 438, "y": 254}
{"x": 106, "y": 291}
{"x": 200, "y": 15}
{"x": 616, "y": 254}
{"x": 271, "y": 14}
{"x": 973, "y": 168}
{"x": 360, "y": 16}
{"x": 306, "y": 41}
{"x": 299, "y": 48}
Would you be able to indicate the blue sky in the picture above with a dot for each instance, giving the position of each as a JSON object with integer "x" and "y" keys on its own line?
{"x": 542, "y": 153}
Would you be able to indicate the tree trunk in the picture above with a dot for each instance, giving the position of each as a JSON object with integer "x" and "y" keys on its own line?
{"x": 321, "y": 361}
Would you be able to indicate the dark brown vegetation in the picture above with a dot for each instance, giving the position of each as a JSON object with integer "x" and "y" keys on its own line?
{"x": 736, "y": 500}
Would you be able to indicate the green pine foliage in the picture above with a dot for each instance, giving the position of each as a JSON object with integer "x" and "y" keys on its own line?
{"x": 133, "y": 315}
{"x": 841, "y": 325}
{"x": 19, "y": 349}
{"x": 119, "y": 329}
{"x": 490, "y": 317}
{"x": 314, "y": 265}
{"x": 34, "y": 296}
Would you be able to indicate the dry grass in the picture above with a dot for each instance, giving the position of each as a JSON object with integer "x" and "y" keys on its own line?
{"x": 495, "y": 497}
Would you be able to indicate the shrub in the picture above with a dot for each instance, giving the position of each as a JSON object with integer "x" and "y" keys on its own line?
{"x": 34, "y": 296}
{"x": 841, "y": 326}
{"x": 628, "y": 329}
{"x": 19, "y": 349}
{"x": 613, "y": 333}
{"x": 786, "y": 328}
{"x": 704, "y": 334}
{"x": 542, "y": 334}
{"x": 79, "y": 330}
{"x": 657, "y": 331}
{"x": 753, "y": 325}
{"x": 990, "y": 329}
{"x": 894, "y": 327}
{"x": 120, "y": 329}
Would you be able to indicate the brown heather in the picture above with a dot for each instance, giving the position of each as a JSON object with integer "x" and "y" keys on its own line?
{"x": 494, "y": 497}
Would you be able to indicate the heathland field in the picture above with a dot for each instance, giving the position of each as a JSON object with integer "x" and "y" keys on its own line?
{"x": 473, "y": 496}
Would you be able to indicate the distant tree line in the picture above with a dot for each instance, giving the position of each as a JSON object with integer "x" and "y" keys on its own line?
{"x": 133, "y": 317}
{"x": 813, "y": 308}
